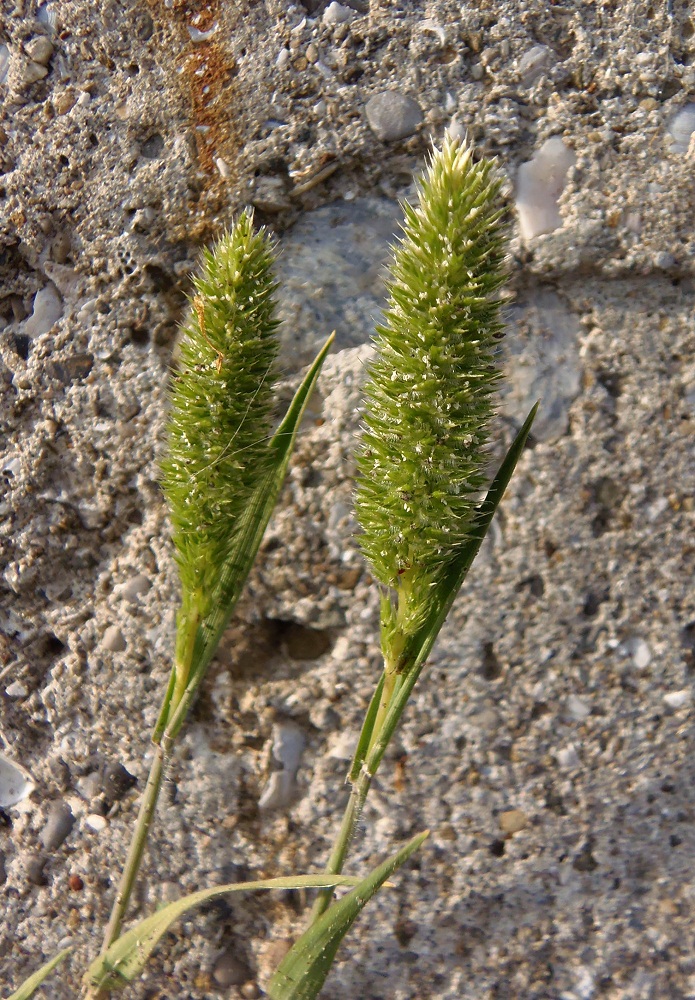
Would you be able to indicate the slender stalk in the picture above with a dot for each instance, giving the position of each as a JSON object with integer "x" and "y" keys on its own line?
{"x": 137, "y": 845}
{"x": 360, "y": 788}
{"x": 336, "y": 861}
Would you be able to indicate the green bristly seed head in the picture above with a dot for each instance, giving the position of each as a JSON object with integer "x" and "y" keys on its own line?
{"x": 221, "y": 398}
{"x": 431, "y": 389}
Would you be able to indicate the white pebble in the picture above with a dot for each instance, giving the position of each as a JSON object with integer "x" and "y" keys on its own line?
{"x": 40, "y": 49}
{"x": 278, "y": 792}
{"x": 288, "y": 746}
{"x": 201, "y": 36}
{"x": 12, "y": 465}
{"x": 16, "y": 690}
{"x": 95, "y": 822}
{"x": 341, "y": 649}
{"x": 47, "y": 14}
{"x": 223, "y": 168}
{"x": 335, "y": 13}
{"x": 540, "y": 183}
{"x": 677, "y": 699}
{"x": 633, "y": 222}
{"x": 134, "y": 587}
{"x": 456, "y": 130}
{"x": 640, "y": 652}
{"x": 567, "y": 757}
{"x": 48, "y": 309}
{"x": 283, "y": 58}
{"x": 15, "y": 782}
{"x": 113, "y": 640}
{"x": 4, "y": 63}
{"x": 681, "y": 128}
{"x": 31, "y": 72}
{"x": 533, "y": 63}
{"x": 577, "y": 708}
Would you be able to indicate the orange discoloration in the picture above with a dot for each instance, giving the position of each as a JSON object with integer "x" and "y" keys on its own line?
{"x": 204, "y": 73}
{"x": 208, "y": 73}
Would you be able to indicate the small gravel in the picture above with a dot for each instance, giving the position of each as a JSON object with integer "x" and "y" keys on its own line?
{"x": 58, "y": 825}
{"x": 393, "y": 116}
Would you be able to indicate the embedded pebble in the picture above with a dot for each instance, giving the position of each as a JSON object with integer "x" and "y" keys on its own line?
{"x": 142, "y": 220}
{"x": 392, "y": 116}
{"x": 283, "y": 58}
{"x": 678, "y": 699}
{"x": 40, "y": 49}
{"x": 681, "y": 128}
{"x": 48, "y": 309}
{"x": 638, "y": 651}
{"x": 4, "y": 63}
{"x": 567, "y": 757}
{"x": 47, "y": 14}
{"x": 16, "y": 690}
{"x": 113, "y": 640}
{"x": 331, "y": 273}
{"x": 641, "y": 654}
{"x": 34, "y": 868}
{"x": 230, "y": 970}
{"x": 89, "y": 786}
{"x": 335, "y": 13}
{"x": 58, "y": 825}
{"x": 540, "y": 182}
{"x": 512, "y": 821}
{"x": 288, "y": 745}
{"x": 95, "y": 822}
{"x": 32, "y": 72}
{"x": 278, "y": 792}
{"x": 63, "y": 99}
{"x": 533, "y": 64}
{"x": 542, "y": 361}
{"x": 577, "y": 708}
{"x": 12, "y": 465}
{"x": 223, "y": 167}
{"x": 202, "y": 36}
{"x": 117, "y": 781}
{"x": 270, "y": 194}
{"x": 15, "y": 783}
{"x": 135, "y": 587}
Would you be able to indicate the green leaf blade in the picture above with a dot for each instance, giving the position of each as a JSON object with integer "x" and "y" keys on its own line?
{"x": 303, "y": 971}
{"x": 126, "y": 958}
{"x": 30, "y": 985}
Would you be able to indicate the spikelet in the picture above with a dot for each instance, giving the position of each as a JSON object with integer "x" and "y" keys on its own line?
{"x": 430, "y": 394}
{"x": 221, "y": 398}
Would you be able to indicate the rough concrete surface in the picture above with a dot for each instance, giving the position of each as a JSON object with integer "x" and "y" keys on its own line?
{"x": 549, "y": 747}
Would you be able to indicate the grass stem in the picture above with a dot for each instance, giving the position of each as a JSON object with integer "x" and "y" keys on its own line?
{"x": 336, "y": 861}
{"x": 137, "y": 846}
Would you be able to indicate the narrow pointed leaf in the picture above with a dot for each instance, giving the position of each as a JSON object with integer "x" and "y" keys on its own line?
{"x": 126, "y": 957}
{"x": 367, "y": 729}
{"x": 420, "y": 645}
{"x": 304, "y": 969}
{"x": 34, "y": 981}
